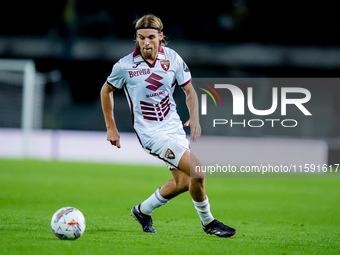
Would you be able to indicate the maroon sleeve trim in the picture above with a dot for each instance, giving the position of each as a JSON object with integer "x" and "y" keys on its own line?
{"x": 186, "y": 83}
{"x": 111, "y": 84}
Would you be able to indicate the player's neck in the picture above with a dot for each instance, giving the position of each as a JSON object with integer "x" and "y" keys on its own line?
{"x": 150, "y": 59}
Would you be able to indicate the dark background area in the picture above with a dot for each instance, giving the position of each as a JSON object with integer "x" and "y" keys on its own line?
{"x": 281, "y": 22}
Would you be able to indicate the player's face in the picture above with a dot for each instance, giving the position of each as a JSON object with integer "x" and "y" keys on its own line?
{"x": 148, "y": 41}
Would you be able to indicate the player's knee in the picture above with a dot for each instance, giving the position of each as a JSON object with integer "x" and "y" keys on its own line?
{"x": 183, "y": 186}
{"x": 197, "y": 175}
{"x": 198, "y": 180}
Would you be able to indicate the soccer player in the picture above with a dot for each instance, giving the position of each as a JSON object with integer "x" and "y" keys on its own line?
{"x": 149, "y": 76}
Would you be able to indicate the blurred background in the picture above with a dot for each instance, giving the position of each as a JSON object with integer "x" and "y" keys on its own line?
{"x": 74, "y": 44}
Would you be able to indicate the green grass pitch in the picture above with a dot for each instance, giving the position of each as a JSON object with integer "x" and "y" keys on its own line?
{"x": 272, "y": 216}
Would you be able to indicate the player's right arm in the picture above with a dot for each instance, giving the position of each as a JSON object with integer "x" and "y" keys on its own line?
{"x": 106, "y": 96}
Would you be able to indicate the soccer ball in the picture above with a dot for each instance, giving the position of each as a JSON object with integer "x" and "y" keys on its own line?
{"x": 68, "y": 223}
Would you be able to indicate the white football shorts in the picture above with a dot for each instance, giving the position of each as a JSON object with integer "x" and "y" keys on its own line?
{"x": 168, "y": 147}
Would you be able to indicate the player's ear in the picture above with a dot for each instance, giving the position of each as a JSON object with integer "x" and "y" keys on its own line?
{"x": 135, "y": 39}
{"x": 161, "y": 36}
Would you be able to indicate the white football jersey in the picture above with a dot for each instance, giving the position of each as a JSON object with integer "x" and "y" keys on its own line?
{"x": 149, "y": 91}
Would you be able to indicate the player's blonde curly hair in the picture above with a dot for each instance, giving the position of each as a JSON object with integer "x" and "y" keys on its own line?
{"x": 151, "y": 21}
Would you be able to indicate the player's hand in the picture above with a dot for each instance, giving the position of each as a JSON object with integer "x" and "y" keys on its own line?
{"x": 113, "y": 137}
{"x": 195, "y": 129}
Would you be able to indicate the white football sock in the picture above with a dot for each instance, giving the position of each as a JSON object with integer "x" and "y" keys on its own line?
{"x": 153, "y": 202}
{"x": 203, "y": 210}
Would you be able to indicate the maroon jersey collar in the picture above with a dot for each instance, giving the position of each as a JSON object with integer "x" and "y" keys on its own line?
{"x": 137, "y": 56}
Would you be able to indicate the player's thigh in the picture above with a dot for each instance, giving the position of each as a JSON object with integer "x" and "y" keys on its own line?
{"x": 189, "y": 163}
{"x": 182, "y": 179}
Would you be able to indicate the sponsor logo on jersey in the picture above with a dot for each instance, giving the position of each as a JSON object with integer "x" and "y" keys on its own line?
{"x": 139, "y": 72}
{"x": 154, "y": 79}
{"x": 155, "y": 94}
{"x": 169, "y": 154}
{"x": 165, "y": 64}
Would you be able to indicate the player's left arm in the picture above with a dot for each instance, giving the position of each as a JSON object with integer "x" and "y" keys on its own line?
{"x": 192, "y": 103}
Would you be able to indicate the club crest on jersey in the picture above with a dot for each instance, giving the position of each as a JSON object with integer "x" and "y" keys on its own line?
{"x": 169, "y": 154}
{"x": 165, "y": 64}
